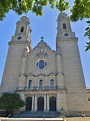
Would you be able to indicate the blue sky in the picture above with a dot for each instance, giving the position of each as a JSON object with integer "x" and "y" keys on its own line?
{"x": 43, "y": 26}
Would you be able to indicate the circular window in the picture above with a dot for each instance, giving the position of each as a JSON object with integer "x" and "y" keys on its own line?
{"x": 41, "y": 64}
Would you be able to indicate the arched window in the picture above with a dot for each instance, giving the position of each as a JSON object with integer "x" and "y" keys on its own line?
{"x": 22, "y": 29}
{"x": 30, "y": 84}
{"x": 41, "y": 84}
{"x": 64, "y": 26}
{"x": 52, "y": 83}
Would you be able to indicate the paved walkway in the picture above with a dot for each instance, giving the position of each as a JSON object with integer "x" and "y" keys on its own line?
{"x": 32, "y": 119}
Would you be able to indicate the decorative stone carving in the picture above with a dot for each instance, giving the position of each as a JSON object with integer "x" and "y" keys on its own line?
{"x": 52, "y": 74}
{"x": 41, "y": 54}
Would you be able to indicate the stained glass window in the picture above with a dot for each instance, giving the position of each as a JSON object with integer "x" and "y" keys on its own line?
{"x": 41, "y": 64}
{"x": 41, "y": 84}
{"x": 30, "y": 84}
{"x": 52, "y": 83}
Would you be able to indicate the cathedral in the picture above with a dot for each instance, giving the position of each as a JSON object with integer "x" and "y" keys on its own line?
{"x": 46, "y": 79}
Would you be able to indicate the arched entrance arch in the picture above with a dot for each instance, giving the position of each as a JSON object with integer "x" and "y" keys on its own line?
{"x": 52, "y": 103}
{"x": 40, "y": 104}
{"x": 28, "y": 103}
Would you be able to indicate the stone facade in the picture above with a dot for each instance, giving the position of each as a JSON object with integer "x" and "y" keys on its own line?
{"x": 47, "y": 80}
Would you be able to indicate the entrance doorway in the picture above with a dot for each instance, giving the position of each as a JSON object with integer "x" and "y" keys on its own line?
{"x": 28, "y": 104}
{"x": 40, "y": 104}
{"x": 52, "y": 104}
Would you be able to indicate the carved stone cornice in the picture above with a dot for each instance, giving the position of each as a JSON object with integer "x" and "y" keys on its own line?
{"x": 17, "y": 42}
{"x": 41, "y": 74}
{"x": 52, "y": 74}
{"x": 31, "y": 74}
{"x": 41, "y": 55}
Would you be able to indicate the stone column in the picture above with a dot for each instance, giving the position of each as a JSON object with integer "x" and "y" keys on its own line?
{"x": 35, "y": 102}
{"x": 58, "y": 102}
{"x": 47, "y": 102}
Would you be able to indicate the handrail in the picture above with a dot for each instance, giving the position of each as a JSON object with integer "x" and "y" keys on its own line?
{"x": 42, "y": 88}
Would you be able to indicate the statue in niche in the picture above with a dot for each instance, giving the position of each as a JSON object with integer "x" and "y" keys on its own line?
{"x": 41, "y": 50}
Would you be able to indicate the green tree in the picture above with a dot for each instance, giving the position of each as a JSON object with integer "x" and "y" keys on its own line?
{"x": 24, "y": 6}
{"x": 79, "y": 10}
{"x": 87, "y": 33}
{"x": 10, "y": 102}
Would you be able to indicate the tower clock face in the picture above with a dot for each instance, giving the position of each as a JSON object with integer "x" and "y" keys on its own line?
{"x": 66, "y": 34}
{"x": 19, "y": 37}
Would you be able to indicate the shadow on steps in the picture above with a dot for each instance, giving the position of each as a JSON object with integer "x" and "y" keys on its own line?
{"x": 37, "y": 114}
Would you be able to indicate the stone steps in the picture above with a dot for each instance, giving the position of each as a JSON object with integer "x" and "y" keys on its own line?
{"x": 37, "y": 114}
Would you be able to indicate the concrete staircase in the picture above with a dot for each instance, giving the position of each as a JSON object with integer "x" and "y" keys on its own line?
{"x": 37, "y": 114}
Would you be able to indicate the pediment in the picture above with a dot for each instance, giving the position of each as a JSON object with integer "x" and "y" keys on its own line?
{"x": 42, "y": 50}
{"x": 43, "y": 45}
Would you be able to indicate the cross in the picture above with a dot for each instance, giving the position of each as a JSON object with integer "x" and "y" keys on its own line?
{"x": 42, "y": 38}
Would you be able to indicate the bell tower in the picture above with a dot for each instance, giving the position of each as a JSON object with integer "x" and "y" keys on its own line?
{"x": 19, "y": 46}
{"x": 66, "y": 43}
{"x": 23, "y": 31}
{"x": 64, "y": 30}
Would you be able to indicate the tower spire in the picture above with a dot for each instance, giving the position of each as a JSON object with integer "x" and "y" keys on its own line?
{"x": 64, "y": 30}
{"x": 23, "y": 32}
